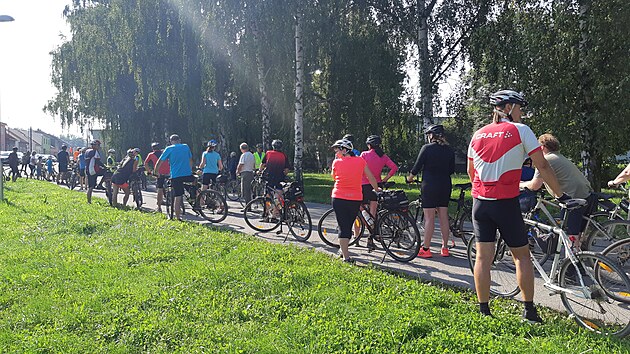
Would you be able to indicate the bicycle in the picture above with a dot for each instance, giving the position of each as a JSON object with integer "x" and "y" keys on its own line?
{"x": 393, "y": 227}
{"x": 73, "y": 180}
{"x": 135, "y": 186}
{"x": 610, "y": 210}
{"x": 209, "y": 204}
{"x": 259, "y": 184}
{"x": 592, "y": 287}
{"x": 270, "y": 211}
{"x": 460, "y": 224}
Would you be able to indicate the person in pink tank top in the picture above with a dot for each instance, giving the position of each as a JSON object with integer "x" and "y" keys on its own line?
{"x": 347, "y": 171}
{"x": 376, "y": 160}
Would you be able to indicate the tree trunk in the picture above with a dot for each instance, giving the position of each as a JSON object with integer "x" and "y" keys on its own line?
{"x": 299, "y": 99}
{"x": 262, "y": 86}
{"x": 424, "y": 66}
{"x": 590, "y": 154}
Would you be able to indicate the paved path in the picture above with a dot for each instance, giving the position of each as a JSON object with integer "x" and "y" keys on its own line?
{"x": 453, "y": 270}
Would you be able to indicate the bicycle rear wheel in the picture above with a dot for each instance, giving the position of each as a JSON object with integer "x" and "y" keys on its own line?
{"x": 298, "y": 219}
{"x": 611, "y": 231}
{"x": 259, "y": 214}
{"x": 502, "y": 272}
{"x": 233, "y": 190}
{"x": 328, "y": 229}
{"x": 137, "y": 194}
{"x": 602, "y": 311}
{"x": 399, "y": 235}
{"x": 211, "y": 205}
{"x": 465, "y": 229}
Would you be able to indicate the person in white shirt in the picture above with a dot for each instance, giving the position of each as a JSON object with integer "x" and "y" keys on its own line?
{"x": 245, "y": 169}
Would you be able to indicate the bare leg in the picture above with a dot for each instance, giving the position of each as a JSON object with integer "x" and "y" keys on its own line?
{"x": 343, "y": 244}
{"x": 483, "y": 262}
{"x": 444, "y": 225}
{"x": 114, "y": 195}
{"x": 524, "y": 271}
{"x": 160, "y": 198}
{"x": 126, "y": 197}
{"x": 177, "y": 205}
{"x": 429, "y": 225}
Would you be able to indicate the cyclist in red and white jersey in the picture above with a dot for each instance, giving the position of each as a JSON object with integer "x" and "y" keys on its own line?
{"x": 495, "y": 157}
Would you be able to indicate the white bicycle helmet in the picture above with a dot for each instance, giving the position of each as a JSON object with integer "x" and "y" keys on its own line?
{"x": 343, "y": 143}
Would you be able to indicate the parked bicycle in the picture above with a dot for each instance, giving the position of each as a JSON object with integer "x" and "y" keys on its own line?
{"x": 392, "y": 226}
{"x": 135, "y": 186}
{"x": 460, "y": 224}
{"x": 270, "y": 211}
{"x": 592, "y": 287}
{"x": 209, "y": 204}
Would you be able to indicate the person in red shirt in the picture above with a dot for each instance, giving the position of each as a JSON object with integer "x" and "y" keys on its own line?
{"x": 347, "y": 193}
{"x": 495, "y": 157}
{"x": 150, "y": 162}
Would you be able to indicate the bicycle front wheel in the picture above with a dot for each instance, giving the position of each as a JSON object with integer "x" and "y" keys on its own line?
{"x": 299, "y": 221}
{"x": 211, "y": 205}
{"x": 259, "y": 214}
{"x": 609, "y": 232}
{"x": 502, "y": 271}
{"x": 465, "y": 229}
{"x": 137, "y": 195}
{"x": 619, "y": 252}
{"x": 399, "y": 235}
{"x": 597, "y": 305}
{"x": 328, "y": 229}
{"x": 233, "y": 190}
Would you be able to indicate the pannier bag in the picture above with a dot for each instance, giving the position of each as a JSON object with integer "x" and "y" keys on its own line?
{"x": 394, "y": 199}
{"x": 292, "y": 191}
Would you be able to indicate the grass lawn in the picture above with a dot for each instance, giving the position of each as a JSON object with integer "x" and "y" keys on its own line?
{"x": 79, "y": 278}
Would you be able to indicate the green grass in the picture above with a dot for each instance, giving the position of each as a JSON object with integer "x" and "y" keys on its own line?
{"x": 79, "y": 278}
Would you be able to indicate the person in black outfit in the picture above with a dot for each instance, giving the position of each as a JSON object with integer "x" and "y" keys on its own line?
{"x": 120, "y": 178}
{"x": 62, "y": 159}
{"x": 436, "y": 161}
{"x": 14, "y": 161}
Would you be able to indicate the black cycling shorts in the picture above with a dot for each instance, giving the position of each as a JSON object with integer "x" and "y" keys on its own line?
{"x": 576, "y": 222}
{"x": 160, "y": 182}
{"x": 209, "y": 177}
{"x": 346, "y": 212}
{"x": 91, "y": 180}
{"x": 504, "y": 215}
{"x": 368, "y": 193}
{"x": 63, "y": 168}
{"x": 178, "y": 184}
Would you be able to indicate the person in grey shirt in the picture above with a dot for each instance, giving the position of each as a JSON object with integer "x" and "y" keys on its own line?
{"x": 245, "y": 169}
{"x": 572, "y": 182}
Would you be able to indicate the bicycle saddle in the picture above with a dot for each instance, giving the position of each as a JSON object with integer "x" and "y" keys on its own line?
{"x": 463, "y": 185}
{"x": 573, "y": 203}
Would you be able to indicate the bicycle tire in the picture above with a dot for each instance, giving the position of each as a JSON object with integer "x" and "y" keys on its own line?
{"x": 465, "y": 229}
{"x": 328, "y": 229}
{"x": 539, "y": 247}
{"x": 108, "y": 192}
{"x": 619, "y": 252}
{"x": 298, "y": 219}
{"x": 399, "y": 235}
{"x": 258, "y": 214}
{"x": 170, "y": 203}
{"x": 72, "y": 183}
{"x": 502, "y": 272}
{"x": 233, "y": 190}
{"x": 607, "y": 315}
{"x": 137, "y": 195}
{"x": 211, "y": 205}
{"x": 611, "y": 231}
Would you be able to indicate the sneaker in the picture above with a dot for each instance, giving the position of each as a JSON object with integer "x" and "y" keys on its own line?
{"x": 445, "y": 252}
{"x": 532, "y": 317}
{"x": 424, "y": 253}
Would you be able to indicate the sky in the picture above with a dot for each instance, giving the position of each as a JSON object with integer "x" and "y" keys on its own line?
{"x": 25, "y": 45}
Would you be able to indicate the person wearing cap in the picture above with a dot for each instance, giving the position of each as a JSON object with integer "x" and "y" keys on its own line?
{"x": 245, "y": 169}
{"x": 94, "y": 167}
{"x": 258, "y": 156}
{"x": 14, "y": 162}
{"x": 376, "y": 160}
{"x": 347, "y": 194}
{"x": 151, "y": 162}
{"x": 276, "y": 164}
{"x": 210, "y": 164}
{"x": 63, "y": 158}
{"x": 350, "y": 138}
{"x": 436, "y": 162}
{"x": 495, "y": 156}
{"x": 120, "y": 178}
{"x": 180, "y": 160}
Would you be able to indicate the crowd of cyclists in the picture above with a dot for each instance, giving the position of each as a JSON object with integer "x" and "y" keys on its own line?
{"x": 500, "y": 159}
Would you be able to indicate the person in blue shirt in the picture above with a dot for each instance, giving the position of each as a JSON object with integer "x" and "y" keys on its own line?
{"x": 180, "y": 160}
{"x": 350, "y": 138}
{"x": 210, "y": 164}
{"x": 50, "y": 169}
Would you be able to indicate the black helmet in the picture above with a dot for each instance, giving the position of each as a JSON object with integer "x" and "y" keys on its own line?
{"x": 344, "y": 144}
{"x": 349, "y": 137}
{"x": 276, "y": 144}
{"x": 259, "y": 146}
{"x": 503, "y": 97}
{"x": 373, "y": 140}
{"x": 436, "y": 129}
{"x": 155, "y": 146}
